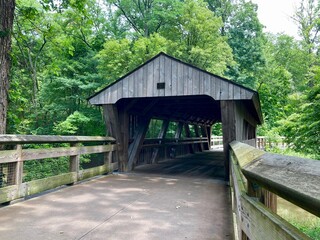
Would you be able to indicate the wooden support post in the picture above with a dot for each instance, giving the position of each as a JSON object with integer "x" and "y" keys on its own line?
{"x": 228, "y": 119}
{"x": 124, "y": 136}
{"x": 207, "y": 145}
{"x": 177, "y": 136}
{"x": 15, "y": 169}
{"x": 196, "y": 130}
{"x": 187, "y": 129}
{"x": 208, "y": 133}
{"x": 114, "y": 122}
{"x": 161, "y": 136}
{"x": 74, "y": 163}
{"x": 135, "y": 146}
{"x": 178, "y": 132}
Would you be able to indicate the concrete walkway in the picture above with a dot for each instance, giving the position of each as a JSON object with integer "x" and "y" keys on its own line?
{"x": 176, "y": 199}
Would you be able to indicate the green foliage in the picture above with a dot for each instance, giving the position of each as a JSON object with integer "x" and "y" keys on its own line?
{"x": 310, "y": 228}
{"x": 217, "y": 129}
{"x": 63, "y": 51}
{"x": 154, "y": 128}
{"x": 38, "y": 169}
{"x": 147, "y": 17}
{"x": 72, "y": 124}
{"x": 303, "y": 126}
{"x": 245, "y": 37}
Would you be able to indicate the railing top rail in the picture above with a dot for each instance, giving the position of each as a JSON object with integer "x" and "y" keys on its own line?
{"x": 292, "y": 178}
{"x": 24, "y": 139}
{"x": 176, "y": 139}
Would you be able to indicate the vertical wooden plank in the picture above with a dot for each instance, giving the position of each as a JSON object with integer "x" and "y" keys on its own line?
{"x": 228, "y": 129}
{"x": 185, "y": 79}
{"x": 125, "y": 87}
{"x": 196, "y": 82}
{"x": 267, "y": 198}
{"x": 190, "y": 81}
{"x": 168, "y": 76}
{"x": 217, "y": 88}
{"x": 180, "y": 83}
{"x": 174, "y": 78}
{"x": 139, "y": 82}
{"x": 134, "y": 84}
{"x": 230, "y": 88}
{"x": 161, "y": 75}
{"x": 145, "y": 80}
{"x": 119, "y": 90}
{"x": 124, "y": 135}
{"x": 156, "y": 76}
{"x": 130, "y": 83}
{"x": 111, "y": 116}
{"x": 135, "y": 146}
{"x": 150, "y": 81}
{"x": 236, "y": 93}
{"x": 201, "y": 82}
{"x": 242, "y": 93}
{"x": 19, "y": 166}
{"x": 206, "y": 84}
{"x": 224, "y": 90}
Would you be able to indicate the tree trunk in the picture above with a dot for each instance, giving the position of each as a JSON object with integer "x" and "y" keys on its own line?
{"x": 6, "y": 23}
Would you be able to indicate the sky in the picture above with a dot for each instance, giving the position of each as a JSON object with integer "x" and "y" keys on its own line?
{"x": 275, "y": 15}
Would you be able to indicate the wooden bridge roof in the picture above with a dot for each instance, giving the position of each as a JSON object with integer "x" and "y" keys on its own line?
{"x": 179, "y": 91}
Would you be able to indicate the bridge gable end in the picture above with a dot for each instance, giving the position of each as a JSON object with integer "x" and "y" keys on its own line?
{"x": 164, "y": 76}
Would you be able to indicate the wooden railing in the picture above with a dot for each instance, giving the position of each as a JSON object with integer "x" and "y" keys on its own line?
{"x": 256, "y": 176}
{"x": 261, "y": 142}
{"x": 12, "y": 161}
{"x": 154, "y": 150}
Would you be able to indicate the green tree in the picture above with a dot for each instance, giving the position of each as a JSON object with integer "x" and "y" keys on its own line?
{"x": 6, "y": 24}
{"x": 245, "y": 37}
{"x": 146, "y": 17}
{"x": 308, "y": 21}
{"x": 195, "y": 38}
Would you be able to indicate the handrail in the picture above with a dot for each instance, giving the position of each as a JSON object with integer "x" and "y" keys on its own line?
{"x": 294, "y": 179}
{"x": 261, "y": 142}
{"x": 13, "y": 161}
{"x": 23, "y": 139}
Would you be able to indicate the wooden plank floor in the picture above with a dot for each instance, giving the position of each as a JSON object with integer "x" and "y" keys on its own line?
{"x": 184, "y": 198}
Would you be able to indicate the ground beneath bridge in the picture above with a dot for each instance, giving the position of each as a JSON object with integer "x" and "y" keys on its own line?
{"x": 184, "y": 198}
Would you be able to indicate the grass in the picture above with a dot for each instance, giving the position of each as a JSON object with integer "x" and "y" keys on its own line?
{"x": 301, "y": 219}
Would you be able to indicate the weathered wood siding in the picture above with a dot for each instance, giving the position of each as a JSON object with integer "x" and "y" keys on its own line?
{"x": 179, "y": 79}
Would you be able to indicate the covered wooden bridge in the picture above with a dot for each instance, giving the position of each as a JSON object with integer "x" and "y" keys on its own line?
{"x": 184, "y": 196}
{"x": 168, "y": 89}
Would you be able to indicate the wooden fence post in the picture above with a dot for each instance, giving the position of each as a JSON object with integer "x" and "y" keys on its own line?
{"x": 74, "y": 164}
{"x": 107, "y": 156}
{"x": 19, "y": 166}
{"x": 15, "y": 169}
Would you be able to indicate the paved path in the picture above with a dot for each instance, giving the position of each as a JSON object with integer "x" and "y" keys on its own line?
{"x": 170, "y": 200}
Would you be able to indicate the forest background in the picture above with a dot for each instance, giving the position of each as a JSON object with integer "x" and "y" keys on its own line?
{"x": 65, "y": 50}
